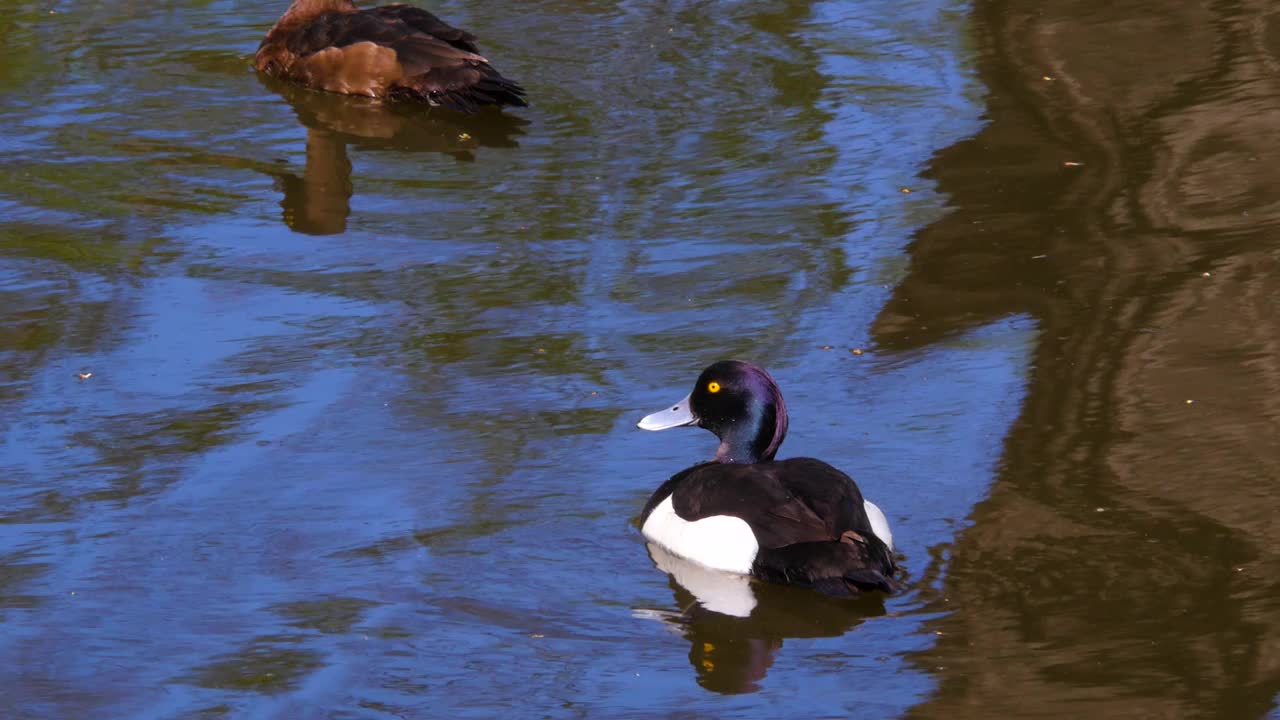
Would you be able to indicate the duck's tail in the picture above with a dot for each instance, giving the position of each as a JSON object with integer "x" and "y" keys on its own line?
{"x": 847, "y": 567}
{"x": 491, "y": 90}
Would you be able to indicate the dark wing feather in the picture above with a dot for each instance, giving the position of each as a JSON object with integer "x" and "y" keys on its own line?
{"x": 785, "y": 502}
{"x": 338, "y": 29}
{"x": 422, "y": 54}
{"x": 462, "y": 88}
{"x": 453, "y": 77}
{"x": 851, "y": 565}
{"x": 425, "y": 22}
{"x": 832, "y": 494}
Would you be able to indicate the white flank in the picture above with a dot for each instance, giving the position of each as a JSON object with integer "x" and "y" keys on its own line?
{"x": 720, "y": 542}
{"x": 716, "y": 590}
{"x": 879, "y": 523}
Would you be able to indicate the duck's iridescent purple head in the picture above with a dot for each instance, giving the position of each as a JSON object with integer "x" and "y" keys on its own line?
{"x": 740, "y": 403}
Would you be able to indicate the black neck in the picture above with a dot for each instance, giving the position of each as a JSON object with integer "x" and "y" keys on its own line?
{"x": 753, "y": 439}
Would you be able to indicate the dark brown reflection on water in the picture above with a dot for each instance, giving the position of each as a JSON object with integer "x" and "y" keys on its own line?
{"x": 318, "y": 201}
{"x": 1126, "y": 194}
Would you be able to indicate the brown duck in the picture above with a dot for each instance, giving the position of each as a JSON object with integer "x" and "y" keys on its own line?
{"x": 397, "y": 52}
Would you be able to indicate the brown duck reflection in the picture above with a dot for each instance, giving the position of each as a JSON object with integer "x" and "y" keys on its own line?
{"x": 319, "y": 201}
{"x": 735, "y": 625}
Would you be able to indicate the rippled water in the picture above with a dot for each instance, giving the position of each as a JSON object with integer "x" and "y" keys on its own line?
{"x": 311, "y": 407}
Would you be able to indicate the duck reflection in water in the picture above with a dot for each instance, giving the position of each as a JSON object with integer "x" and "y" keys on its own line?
{"x": 318, "y": 201}
{"x": 735, "y": 625}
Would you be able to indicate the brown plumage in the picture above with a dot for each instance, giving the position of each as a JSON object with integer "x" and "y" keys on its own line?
{"x": 398, "y": 52}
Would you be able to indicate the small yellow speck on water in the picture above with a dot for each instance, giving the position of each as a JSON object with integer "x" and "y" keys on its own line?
{"x": 905, "y": 190}
{"x": 1046, "y": 77}
{"x": 84, "y": 375}
{"x": 856, "y": 351}
{"x": 826, "y": 347}
{"x": 541, "y": 351}
{"x": 1205, "y": 274}
{"x": 464, "y": 136}
{"x": 937, "y": 632}
{"x": 1072, "y": 163}
{"x": 1099, "y": 509}
{"x": 536, "y": 636}
{"x": 1191, "y": 402}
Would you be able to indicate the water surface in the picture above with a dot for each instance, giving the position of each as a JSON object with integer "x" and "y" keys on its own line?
{"x": 317, "y": 408}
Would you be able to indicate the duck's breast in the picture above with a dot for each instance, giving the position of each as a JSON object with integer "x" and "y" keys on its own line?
{"x": 720, "y": 542}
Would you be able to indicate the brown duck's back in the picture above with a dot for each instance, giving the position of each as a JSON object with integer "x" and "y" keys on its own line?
{"x": 397, "y": 52}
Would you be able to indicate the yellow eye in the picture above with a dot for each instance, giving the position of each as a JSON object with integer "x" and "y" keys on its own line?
{"x": 713, "y": 387}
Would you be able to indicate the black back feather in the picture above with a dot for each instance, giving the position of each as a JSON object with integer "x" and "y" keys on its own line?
{"x": 425, "y": 22}
{"x": 807, "y": 516}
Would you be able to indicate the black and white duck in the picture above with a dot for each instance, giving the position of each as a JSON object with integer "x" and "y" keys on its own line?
{"x": 797, "y": 521}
